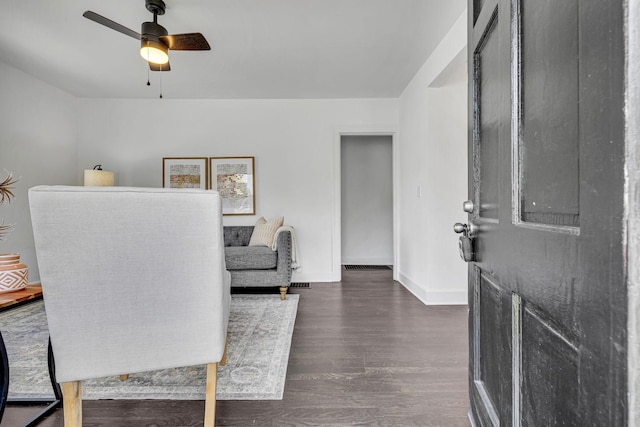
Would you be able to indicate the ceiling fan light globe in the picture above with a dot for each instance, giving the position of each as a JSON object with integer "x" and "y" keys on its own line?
{"x": 154, "y": 52}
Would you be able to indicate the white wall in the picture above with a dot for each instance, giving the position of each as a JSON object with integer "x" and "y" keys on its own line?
{"x": 367, "y": 200}
{"x": 38, "y": 144}
{"x": 433, "y": 157}
{"x": 292, "y": 141}
{"x": 49, "y": 137}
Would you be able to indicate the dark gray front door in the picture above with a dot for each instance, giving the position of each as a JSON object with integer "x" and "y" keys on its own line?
{"x": 547, "y": 290}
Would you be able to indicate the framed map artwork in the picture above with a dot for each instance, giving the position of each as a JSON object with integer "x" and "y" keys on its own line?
{"x": 185, "y": 172}
{"x": 233, "y": 178}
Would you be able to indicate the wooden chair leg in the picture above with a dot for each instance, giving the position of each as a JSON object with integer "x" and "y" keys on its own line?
{"x": 72, "y": 403}
{"x": 283, "y": 292}
{"x": 210, "y": 399}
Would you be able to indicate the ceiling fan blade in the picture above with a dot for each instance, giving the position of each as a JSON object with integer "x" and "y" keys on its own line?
{"x": 111, "y": 24}
{"x": 158, "y": 67}
{"x": 189, "y": 41}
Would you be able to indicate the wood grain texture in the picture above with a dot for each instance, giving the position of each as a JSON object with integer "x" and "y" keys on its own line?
{"x": 72, "y": 402}
{"x": 365, "y": 351}
{"x": 210, "y": 399}
{"x": 12, "y": 298}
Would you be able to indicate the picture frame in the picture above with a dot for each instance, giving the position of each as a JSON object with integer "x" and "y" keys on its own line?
{"x": 185, "y": 172}
{"x": 234, "y": 179}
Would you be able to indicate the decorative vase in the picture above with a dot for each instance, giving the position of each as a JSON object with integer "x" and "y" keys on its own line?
{"x": 13, "y": 274}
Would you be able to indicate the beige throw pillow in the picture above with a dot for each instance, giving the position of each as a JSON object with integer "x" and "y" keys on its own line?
{"x": 264, "y": 231}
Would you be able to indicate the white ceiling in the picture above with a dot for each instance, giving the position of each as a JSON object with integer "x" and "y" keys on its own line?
{"x": 260, "y": 48}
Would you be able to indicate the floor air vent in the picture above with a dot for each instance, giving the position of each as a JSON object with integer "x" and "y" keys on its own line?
{"x": 299, "y": 285}
{"x": 366, "y": 267}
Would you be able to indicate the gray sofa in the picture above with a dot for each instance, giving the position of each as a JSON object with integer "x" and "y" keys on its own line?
{"x": 257, "y": 266}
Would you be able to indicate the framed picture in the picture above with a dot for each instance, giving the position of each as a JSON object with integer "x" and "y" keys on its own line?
{"x": 185, "y": 172}
{"x": 233, "y": 177}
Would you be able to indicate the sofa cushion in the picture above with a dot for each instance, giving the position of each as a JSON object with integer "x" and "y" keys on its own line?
{"x": 264, "y": 231}
{"x": 237, "y": 235}
{"x": 250, "y": 257}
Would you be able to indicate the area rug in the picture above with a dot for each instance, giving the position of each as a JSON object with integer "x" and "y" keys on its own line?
{"x": 260, "y": 330}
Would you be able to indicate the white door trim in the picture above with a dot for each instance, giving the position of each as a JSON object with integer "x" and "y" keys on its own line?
{"x": 336, "y": 240}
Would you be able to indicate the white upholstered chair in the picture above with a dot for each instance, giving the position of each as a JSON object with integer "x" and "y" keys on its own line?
{"x": 133, "y": 280}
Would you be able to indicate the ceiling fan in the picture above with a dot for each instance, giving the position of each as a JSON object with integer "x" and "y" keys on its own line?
{"x": 155, "y": 39}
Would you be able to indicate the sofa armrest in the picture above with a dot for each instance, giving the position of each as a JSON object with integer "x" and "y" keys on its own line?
{"x": 283, "y": 248}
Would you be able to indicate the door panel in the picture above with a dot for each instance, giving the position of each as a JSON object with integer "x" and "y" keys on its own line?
{"x": 548, "y": 372}
{"x": 486, "y": 64}
{"x": 547, "y": 289}
{"x": 546, "y": 41}
{"x": 491, "y": 344}
{"x": 492, "y": 347}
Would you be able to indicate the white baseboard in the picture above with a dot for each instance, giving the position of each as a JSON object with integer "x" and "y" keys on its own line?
{"x": 303, "y": 275}
{"x": 434, "y": 297}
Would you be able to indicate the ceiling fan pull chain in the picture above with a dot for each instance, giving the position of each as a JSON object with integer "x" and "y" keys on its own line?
{"x": 161, "y": 82}
{"x": 148, "y": 82}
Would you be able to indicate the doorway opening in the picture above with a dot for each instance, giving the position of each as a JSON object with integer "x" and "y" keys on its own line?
{"x": 366, "y": 202}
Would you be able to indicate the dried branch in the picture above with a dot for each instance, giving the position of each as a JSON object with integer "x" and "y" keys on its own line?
{"x": 5, "y": 188}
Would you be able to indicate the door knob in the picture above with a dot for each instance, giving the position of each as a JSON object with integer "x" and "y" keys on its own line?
{"x": 458, "y": 227}
{"x": 465, "y": 243}
{"x": 468, "y": 230}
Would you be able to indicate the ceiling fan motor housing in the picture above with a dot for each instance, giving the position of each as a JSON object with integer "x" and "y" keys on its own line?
{"x": 151, "y": 29}
{"x": 152, "y": 48}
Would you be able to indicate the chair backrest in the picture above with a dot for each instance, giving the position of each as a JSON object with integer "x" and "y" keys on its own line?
{"x": 133, "y": 279}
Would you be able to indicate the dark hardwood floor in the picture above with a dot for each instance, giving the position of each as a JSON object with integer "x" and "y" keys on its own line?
{"x": 365, "y": 352}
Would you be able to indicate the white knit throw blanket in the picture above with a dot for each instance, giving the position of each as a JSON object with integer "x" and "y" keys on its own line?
{"x": 294, "y": 244}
